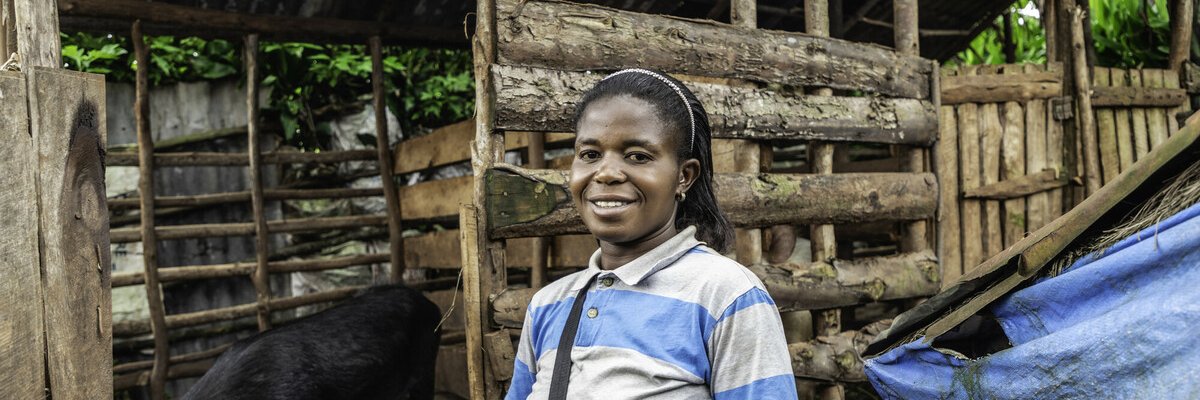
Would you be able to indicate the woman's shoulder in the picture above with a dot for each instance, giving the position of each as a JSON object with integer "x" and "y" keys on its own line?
{"x": 558, "y": 290}
{"x": 706, "y": 277}
{"x": 713, "y": 268}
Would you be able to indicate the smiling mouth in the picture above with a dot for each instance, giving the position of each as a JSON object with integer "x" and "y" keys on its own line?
{"x": 610, "y": 203}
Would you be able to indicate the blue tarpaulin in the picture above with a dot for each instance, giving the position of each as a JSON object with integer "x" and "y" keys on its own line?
{"x": 1123, "y": 323}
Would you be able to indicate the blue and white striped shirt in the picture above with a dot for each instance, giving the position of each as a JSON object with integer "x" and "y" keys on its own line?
{"x": 679, "y": 322}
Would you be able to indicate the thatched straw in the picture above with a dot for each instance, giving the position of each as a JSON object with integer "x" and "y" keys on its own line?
{"x": 1181, "y": 192}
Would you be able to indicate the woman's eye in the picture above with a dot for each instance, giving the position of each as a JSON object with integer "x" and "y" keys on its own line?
{"x": 639, "y": 157}
{"x": 588, "y": 155}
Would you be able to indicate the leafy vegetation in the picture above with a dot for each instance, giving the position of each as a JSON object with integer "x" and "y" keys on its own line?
{"x": 307, "y": 82}
{"x": 1127, "y": 34}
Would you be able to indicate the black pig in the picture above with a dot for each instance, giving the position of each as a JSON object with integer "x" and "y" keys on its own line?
{"x": 379, "y": 345}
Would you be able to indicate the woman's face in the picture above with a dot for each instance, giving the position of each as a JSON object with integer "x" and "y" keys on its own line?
{"x": 626, "y": 174}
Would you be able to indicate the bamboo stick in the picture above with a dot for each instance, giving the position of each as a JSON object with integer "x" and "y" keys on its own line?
{"x": 1086, "y": 118}
{"x": 261, "y": 277}
{"x": 141, "y": 112}
{"x": 212, "y": 159}
{"x": 391, "y": 196}
{"x": 244, "y": 196}
{"x": 176, "y": 232}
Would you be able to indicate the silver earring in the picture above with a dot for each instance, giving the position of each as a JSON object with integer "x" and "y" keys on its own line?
{"x": 681, "y": 196}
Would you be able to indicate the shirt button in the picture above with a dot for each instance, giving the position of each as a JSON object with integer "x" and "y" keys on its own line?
{"x": 593, "y": 312}
{"x": 606, "y": 281}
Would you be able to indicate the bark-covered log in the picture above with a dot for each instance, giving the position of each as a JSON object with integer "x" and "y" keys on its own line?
{"x": 538, "y": 99}
{"x": 586, "y": 37}
{"x": 1000, "y": 88}
{"x": 835, "y": 358}
{"x": 819, "y": 285}
{"x": 524, "y": 202}
{"x": 822, "y": 285}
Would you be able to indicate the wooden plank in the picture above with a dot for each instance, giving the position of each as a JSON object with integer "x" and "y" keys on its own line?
{"x": 524, "y": 202}
{"x": 1036, "y": 141}
{"x": 262, "y": 250}
{"x": 968, "y": 145}
{"x": 1156, "y": 118}
{"x": 949, "y": 165}
{"x": 1171, "y": 82}
{"x": 37, "y": 34}
{"x": 1012, "y": 154}
{"x": 435, "y": 199}
{"x": 544, "y": 100}
{"x": 67, "y": 111}
{"x": 391, "y": 198}
{"x": 1137, "y": 116}
{"x": 1106, "y": 96}
{"x": 1124, "y": 136}
{"x": 584, "y": 37}
{"x": 476, "y": 306}
{"x": 991, "y": 138}
{"x": 163, "y": 18}
{"x": 450, "y": 145}
{"x": 1085, "y": 115}
{"x": 1000, "y": 88}
{"x": 176, "y": 232}
{"x": 22, "y": 342}
{"x": 440, "y": 250}
{"x": 820, "y": 285}
{"x": 1019, "y": 186}
{"x": 1106, "y": 130}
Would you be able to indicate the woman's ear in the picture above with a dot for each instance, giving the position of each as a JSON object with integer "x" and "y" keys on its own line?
{"x": 688, "y": 172}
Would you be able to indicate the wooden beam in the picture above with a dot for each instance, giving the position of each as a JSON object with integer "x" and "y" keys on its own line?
{"x": 176, "y": 232}
{"x": 262, "y": 249}
{"x": 244, "y": 196}
{"x": 1108, "y": 96}
{"x": 1000, "y": 88}
{"x": 37, "y": 34}
{"x": 820, "y": 285}
{"x": 450, "y": 145}
{"x": 545, "y": 100}
{"x": 435, "y": 199}
{"x": 524, "y": 202}
{"x": 23, "y": 364}
{"x": 1181, "y": 16}
{"x": 578, "y": 37}
{"x": 175, "y": 19}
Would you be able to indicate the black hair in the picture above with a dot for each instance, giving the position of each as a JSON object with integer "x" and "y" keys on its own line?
{"x": 700, "y": 207}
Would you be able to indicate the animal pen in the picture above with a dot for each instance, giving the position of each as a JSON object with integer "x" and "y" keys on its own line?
{"x": 904, "y": 175}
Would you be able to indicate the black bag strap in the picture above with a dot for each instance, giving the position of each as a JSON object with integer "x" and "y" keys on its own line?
{"x": 562, "y": 362}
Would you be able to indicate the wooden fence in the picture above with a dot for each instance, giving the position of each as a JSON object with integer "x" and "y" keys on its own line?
{"x": 1005, "y": 159}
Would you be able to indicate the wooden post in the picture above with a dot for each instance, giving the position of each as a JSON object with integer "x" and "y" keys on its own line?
{"x": 8, "y": 29}
{"x": 1085, "y": 117}
{"x": 1181, "y": 35}
{"x": 540, "y": 244}
{"x": 820, "y": 159}
{"x": 907, "y": 42}
{"x": 748, "y": 155}
{"x": 141, "y": 114}
{"x": 261, "y": 277}
{"x": 468, "y": 228}
{"x": 489, "y": 275}
{"x": 1050, "y": 28}
{"x": 395, "y": 230}
{"x": 37, "y": 33}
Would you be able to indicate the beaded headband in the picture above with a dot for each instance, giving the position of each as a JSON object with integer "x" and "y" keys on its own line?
{"x": 686, "y": 106}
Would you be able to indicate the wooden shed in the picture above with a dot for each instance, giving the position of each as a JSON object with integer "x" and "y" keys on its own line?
{"x": 948, "y": 167}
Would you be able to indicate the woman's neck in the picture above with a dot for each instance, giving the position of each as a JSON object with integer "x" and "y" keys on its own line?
{"x": 615, "y": 255}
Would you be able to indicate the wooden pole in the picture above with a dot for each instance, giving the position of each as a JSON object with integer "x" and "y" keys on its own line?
{"x": 540, "y": 245}
{"x": 395, "y": 231}
{"x": 822, "y": 237}
{"x": 1086, "y": 118}
{"x": 748, "y": 157}
{"x": 907, "y": 42}
{"x": 37, "y": 34}
{"x": 487, "y": 275}
{"x": 261, "y": 277}
{"x": 1181, "y": 35}
{"x": 8, "y": 29}
{"x": 141, "y": 113}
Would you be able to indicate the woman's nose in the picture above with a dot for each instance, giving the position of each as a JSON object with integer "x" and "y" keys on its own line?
{"x": 608, "y": 172}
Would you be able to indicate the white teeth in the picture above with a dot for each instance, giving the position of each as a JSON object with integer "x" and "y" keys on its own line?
{"x": 610, "y": 204}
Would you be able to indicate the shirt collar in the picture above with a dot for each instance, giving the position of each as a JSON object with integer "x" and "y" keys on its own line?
{"x": 647, "y": 264}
